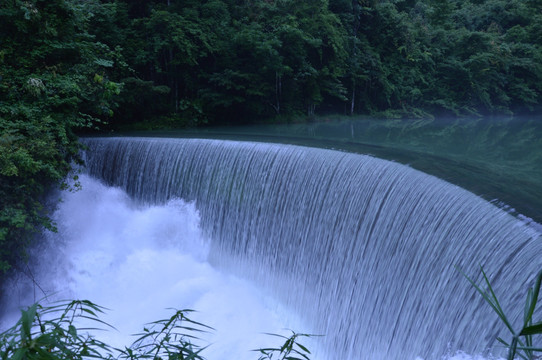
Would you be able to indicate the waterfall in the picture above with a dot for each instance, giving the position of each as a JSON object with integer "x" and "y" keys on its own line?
{"x": 364, "y": 250}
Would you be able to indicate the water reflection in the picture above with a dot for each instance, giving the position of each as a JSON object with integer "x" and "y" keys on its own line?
{"x": 497, "y": 158}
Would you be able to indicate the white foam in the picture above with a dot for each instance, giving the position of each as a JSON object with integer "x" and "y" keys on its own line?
{"x": 460, "y": 355}
{"x": 139, "y": 261}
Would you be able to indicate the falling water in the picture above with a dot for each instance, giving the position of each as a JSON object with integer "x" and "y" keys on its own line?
{"x": 363, "y": 250}
{"x": 138, "y": 262}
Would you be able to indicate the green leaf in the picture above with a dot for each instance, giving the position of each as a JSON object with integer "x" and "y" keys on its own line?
{"x": 27, "y": 319}
{"x": 19, "y": 354}
{"x": 533, "y": 298}
{"x": 532, "y": 330}
{"x": 303, "y": 348}
{"x": 491, "y": 299}
{"x": 72, "y": 331}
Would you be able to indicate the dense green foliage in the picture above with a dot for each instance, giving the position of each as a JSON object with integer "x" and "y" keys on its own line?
{"x": 67, "y": 65}
{"x": 53, "y": 79}
{"x": 64, "y": 331}
{"x": 225, "y": 61}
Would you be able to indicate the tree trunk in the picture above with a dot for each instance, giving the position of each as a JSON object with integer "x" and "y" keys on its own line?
{"x": 176, "y": 95}
{"x": 278, "y": 91}
{"x": 353, "y": 101}
{"x": 310, "y": 109}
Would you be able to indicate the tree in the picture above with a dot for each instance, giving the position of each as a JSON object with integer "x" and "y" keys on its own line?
{"x": 53, "y": 80}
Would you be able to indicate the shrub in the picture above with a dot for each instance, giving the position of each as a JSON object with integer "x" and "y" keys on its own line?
{"x": 55, "y": 333}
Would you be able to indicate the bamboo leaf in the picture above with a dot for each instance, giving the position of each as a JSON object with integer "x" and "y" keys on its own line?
{"x": 72, "y": 331}
{"x": 531, "y": 348}
{"x": 303, "y": 348}
{"x": 532, "y": 330}
{"x": 492, "y": 301}
{"x": 534, "y": 298}
{"x": 19, "y": 354}
{"x": 27, "y": 318}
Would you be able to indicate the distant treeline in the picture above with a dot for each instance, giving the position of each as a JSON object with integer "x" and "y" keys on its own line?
{"x": 189, "y": 62}
{"x": 73, "y": 64}
{"x": 230, "y": 61}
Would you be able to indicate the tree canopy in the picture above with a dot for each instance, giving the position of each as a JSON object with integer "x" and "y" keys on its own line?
{"x": 53, "y": 80}
{"x": 227, "y": 62}
{"x": 68, "y": 65}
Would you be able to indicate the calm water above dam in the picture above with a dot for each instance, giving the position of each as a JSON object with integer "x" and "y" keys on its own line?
{"x": 498, "y": 159}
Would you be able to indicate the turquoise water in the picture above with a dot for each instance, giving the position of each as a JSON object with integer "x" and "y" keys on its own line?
{"x": 498, "y": 159}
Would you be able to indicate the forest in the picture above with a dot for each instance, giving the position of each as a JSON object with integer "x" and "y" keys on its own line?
{"x": 72, "y": 66}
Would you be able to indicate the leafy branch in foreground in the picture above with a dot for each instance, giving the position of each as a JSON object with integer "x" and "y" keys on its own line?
{"x": 168, "y": 339}
{"x": 50, "y": 333}
{"x": 55, "y": 333}
{"x": 522, "y": 340}
{"x": 290, "y": 350}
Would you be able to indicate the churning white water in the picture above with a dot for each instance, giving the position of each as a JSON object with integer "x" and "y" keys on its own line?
{"x": 360, "y": 249}
{"x": 363, "y": 250}
{"x": 139, "y": 261}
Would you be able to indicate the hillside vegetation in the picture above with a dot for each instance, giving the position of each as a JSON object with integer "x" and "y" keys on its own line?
{"x": 71, "y": 65}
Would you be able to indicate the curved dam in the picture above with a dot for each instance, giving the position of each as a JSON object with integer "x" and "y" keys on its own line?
{"x": 365, "y": 250}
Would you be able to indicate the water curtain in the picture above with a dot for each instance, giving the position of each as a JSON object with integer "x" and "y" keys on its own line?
{"x": 363, "y": 249}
